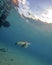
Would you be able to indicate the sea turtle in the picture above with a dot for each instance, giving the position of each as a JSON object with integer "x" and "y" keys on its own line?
{"x": 5, "y": 8}
{"x": 23, "y": 44}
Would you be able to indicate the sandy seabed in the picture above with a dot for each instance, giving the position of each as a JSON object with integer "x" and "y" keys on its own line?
{"x": 11, "y": 56}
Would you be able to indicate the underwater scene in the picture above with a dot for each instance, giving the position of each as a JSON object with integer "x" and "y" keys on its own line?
{"x": 25, "y": 37}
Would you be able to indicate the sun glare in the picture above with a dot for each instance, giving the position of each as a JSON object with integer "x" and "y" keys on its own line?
{"x": 47, "y": 15}
{"x": 15, "y": 2}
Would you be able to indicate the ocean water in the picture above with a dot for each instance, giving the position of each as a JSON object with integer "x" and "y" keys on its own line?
{"x": 37, "y": 33}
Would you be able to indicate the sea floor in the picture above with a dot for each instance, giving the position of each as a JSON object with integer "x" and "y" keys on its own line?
{"x": 10, "y": 56}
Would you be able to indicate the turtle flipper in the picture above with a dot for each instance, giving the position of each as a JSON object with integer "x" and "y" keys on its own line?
{"x": 6, "y": 24}
{"x": 1, "y": 23}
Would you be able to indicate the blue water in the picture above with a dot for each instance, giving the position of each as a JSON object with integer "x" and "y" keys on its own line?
{"x": 37, "y": 33}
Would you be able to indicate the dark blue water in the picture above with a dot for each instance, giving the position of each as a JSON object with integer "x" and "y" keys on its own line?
{"x": 38, "y": 34}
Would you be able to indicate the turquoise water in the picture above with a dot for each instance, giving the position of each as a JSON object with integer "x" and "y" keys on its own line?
{"x": 38, "y": 34}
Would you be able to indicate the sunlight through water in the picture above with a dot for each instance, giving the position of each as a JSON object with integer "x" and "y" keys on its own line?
{"x": 26, "y": 11}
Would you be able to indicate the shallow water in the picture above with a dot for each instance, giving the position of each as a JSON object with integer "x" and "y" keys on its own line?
{"x": 38, "y": 34}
